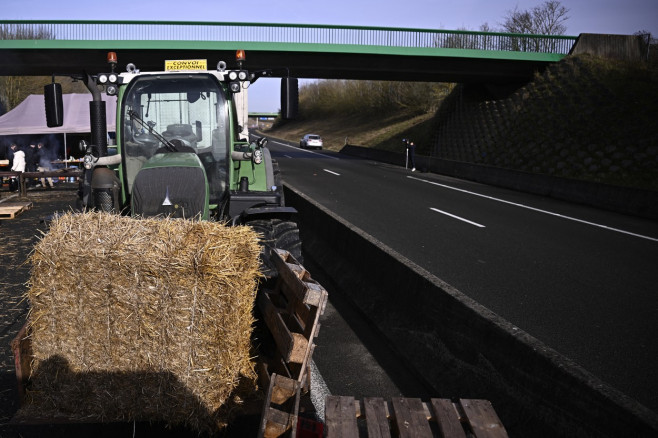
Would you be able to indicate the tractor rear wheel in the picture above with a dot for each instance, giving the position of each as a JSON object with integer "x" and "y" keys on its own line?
{"x": 277, "y": 233}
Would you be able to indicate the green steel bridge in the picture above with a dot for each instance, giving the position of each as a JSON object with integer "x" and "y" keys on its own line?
{"x": 40, "y": 47}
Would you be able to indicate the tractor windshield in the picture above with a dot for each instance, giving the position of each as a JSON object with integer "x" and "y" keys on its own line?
{"x": 190, "y": 108}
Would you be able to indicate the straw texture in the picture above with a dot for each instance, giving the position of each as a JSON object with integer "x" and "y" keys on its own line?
{"x": 141, "y": 319}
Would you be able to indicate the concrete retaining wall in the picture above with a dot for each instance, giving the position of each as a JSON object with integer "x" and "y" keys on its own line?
{"x": 642, "y": 203}
{"x": 623, "y": 47}
{"x": 460, "y": 348}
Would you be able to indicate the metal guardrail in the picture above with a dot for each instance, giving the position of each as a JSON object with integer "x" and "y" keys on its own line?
{"x": 282, "y": 33}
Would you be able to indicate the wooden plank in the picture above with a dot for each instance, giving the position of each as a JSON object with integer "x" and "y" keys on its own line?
{"x": 298, "y": 352}
{"x": 283, "y": 389}
{"x": 311, "y": 331}
{"x": 314, "y": 292}
{"x": 266, "y": 407}
{"x": 283, "y": 254}
{"x": 21, "y": 346}
{"x": 447, "y": 418}
{"x": 483, "y": 419}
{"x": 376, "y": 412}
{"x": 292, "y": 346}
{"x": 291, "y": 284}
{"x": 292, "y": 323}
{"x": 411, "y": 418}
{"x": 11, "y": 210}
{"x": 340, "y": 417}
{"x": 263, "y": 370}
{"x": 279, "y": 414}
{"x": 277, "y": 424}
{"x": 296, "y": 269}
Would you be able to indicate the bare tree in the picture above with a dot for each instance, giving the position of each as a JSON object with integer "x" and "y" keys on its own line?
{"x": 465, "y": 39}
{"x": 546, "y": 19}
{"x": 13, "y": 89}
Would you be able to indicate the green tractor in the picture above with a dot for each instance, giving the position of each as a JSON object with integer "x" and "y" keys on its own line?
{"x": 182, "y": 149}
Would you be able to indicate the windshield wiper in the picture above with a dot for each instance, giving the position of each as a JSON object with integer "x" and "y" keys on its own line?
{"x": 169, "y": 145}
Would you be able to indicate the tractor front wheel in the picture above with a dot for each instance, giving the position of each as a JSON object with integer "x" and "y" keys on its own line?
{"x": 277, "y": 233}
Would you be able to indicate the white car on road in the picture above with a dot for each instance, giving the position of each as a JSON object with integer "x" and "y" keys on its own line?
{"x": 311, "y": 141}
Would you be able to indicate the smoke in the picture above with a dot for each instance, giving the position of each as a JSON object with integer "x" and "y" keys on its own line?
{"x": 50, "y": 150}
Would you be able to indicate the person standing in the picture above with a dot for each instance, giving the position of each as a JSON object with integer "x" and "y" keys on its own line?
{"x": 43, "y": 165}
{"x": 10, "y": 153}
{"x": 31, "y": 162}
{"x": 410, "y": 150}
{"x": 17, "y": 166}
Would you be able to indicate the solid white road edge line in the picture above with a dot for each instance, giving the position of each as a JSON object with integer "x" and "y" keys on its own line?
{"x": 537, "y": 210}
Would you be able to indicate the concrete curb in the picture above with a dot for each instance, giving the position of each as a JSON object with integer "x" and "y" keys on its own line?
{"x": 460, "y": 347}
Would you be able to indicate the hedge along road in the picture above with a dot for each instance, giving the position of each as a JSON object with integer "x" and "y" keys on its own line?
{"x": 581, "y": 280}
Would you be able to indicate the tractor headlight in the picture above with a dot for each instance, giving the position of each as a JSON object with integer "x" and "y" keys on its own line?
{"x": 111, "y": 90}
{"x": 88, "y": 161}
{"x": 257, "y": 156}
{"x": 102, "y": 79}
{"x": 242, "y": 75}
{"x": 233, "y": 75}
{"x": 235, "y": 87}
{"x": 112, "y": 78}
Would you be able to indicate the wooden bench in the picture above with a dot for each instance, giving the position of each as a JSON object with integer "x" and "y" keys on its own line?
{"x": 24, "y": 176}
{"x": 346, "y": 417}
{"x": 71, "y": 172}
{"x": 291, "y": 311}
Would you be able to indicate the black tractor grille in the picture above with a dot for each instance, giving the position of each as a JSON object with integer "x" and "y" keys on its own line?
{"x": 178, "y": 192}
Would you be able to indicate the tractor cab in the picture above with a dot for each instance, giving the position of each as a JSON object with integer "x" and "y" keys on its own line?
{"x": 175, "y": 134}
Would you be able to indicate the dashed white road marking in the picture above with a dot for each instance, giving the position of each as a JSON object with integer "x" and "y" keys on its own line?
{"x": 457, "y": 217}
{"x": 305, "y": 150}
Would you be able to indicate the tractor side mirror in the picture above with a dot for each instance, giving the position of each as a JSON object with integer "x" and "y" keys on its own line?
{"x": 52, "y": 94}
{"x": 289, "y": 98}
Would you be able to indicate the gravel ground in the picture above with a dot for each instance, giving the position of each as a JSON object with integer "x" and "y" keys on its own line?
{"x": 17, "y": 238}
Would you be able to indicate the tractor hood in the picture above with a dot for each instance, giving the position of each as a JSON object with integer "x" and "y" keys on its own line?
{"x": 171, "y": 184}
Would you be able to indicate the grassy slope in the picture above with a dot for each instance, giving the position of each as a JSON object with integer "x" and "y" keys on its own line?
{"x": 584, "y": 118}
{"x": 364, "y": 130}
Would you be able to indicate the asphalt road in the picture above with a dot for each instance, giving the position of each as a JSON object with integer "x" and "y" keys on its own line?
{"x": 581, "y": 280}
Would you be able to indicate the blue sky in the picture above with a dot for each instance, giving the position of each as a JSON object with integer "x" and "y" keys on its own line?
{"x": 585, "y": 16}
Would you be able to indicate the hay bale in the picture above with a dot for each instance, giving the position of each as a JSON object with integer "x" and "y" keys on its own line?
{"x": 141, "y": 319}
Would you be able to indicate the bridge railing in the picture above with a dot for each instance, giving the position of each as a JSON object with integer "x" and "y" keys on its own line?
{"x": 283, "y": 33}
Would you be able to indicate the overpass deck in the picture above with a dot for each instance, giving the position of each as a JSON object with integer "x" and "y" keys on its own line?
{"x": 39, "y": 47}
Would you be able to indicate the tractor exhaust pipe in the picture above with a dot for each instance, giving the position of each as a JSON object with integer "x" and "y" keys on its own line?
{"x": 97, "y": 117}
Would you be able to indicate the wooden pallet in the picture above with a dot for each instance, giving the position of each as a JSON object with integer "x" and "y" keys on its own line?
{"x": 280, "y": 412}
{"x": 291, "y": 312}
{"x": 11, "y": 210}
{"x": 346, "y": 417}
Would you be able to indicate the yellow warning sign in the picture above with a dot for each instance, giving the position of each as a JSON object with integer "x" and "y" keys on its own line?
{"x": 186, "y": 64}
